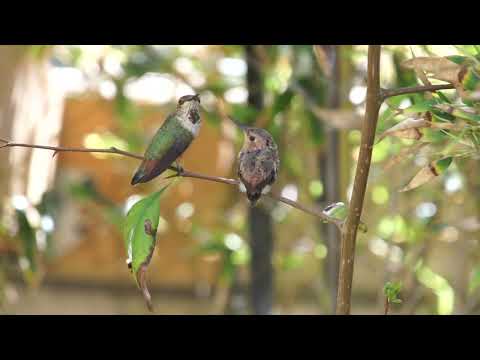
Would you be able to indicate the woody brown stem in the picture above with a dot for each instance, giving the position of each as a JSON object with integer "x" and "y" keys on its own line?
{"x": 181, "y": 173}
{"x": 386, "y": 93}
{"x": 349, "y": 232}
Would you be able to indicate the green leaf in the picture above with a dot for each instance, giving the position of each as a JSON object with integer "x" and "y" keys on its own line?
{"x": 244, "y": 114}
{"x": 27, "y": 235}
{"x": 442, "y": 97}
{"x": 458, "y": 59}
{"x": 459, "y": 113}
{"x": 140, "y": 231}
{"x": 471, "y": 79}
{"x": 420, "y": 107}
{"x": 282, "y": 102}
{"x": 317, "y": 134}
{"x": 474, "y": 279}
{"x": 340, "y": 211}
{"x": 442, "y": 164}
{"x": 391, "y": 291}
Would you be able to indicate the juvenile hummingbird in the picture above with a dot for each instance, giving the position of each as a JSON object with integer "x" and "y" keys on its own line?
{"x": 258, "y": 163}
{"x": 171, "y": 139}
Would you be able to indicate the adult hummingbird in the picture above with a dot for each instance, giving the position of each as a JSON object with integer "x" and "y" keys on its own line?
{"x": 171, "y": 139}
{"x": 258, "y": 163}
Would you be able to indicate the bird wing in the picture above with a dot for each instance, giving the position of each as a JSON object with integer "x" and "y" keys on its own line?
{"x": 154, "y": 167}
{"x": 258, "y": 170}
{"x": 170, "y": 142}
{"x": 270, "y": 163}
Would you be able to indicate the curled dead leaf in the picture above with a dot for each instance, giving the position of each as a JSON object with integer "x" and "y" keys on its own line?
{"x": 142, "y": 283}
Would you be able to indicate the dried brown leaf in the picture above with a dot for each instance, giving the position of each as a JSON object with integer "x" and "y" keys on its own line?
{"x": 423, "y": 77}
{"x": 403, "y": 155}
{"x": 142, "y": 282}
{"x": 439, "y": 67}
{"x": 406, "y": 129}
{"x": 426, "y": 174}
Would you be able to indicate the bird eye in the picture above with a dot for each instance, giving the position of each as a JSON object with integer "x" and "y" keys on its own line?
{"x": 252, "y": 138}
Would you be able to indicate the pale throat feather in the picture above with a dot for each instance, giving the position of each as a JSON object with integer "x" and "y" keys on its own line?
{"x": 187, "y": 124}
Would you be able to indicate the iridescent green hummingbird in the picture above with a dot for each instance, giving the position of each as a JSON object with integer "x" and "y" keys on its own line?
{"x": 171, "y": 139}
{"x": 258, "y": 163}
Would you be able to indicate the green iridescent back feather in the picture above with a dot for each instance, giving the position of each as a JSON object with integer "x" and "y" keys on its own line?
{"x": 170, "y": 132}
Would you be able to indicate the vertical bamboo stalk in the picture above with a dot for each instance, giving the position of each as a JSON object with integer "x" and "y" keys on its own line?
{"x": 349, "y": 233}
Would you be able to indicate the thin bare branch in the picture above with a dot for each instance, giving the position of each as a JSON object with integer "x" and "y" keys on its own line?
{"x": 387, "y": 306}
{"x": 386, "y": 93}
{"x": 178, "y": 173}
{"x": 306, "y": 209}
{"x": 112, "y": 150}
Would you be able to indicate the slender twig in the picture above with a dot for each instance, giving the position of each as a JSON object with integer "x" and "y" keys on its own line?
{"x": 218, "y": 179}
{"x": 387, "y": 305}
{"x": 179, "y": 173}
{"x": 306, "y": 209}
{"x": 349, "y": 232}
{"x": 56, "y": 150}
{"x": 386, "y": 93}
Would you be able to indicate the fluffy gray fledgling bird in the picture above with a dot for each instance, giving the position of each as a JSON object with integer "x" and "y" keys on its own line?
{"x": 258, "y": 163}
{"x": 171, "y": 140}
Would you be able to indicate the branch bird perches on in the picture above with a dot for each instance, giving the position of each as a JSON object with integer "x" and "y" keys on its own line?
{"x": 179, "y": 172}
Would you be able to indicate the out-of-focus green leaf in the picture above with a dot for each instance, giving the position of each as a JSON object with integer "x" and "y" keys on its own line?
{"x": 244, "y": 114}
{"x": 125, "y": 109}
{"x": 392, "y": 290}
{"x": 317, "y": 135}
{"x": 420, "y": 107}
{"x": 458, "y": 59}
{"x": 459, "y": 113}
{"x": 40, "y": 51}
{"x": 474, "y": 279}
{"x": 441, "y": 287}
{"x": 282, "y": 102}
{"x": 470, "y": 79}
{"x": 29, "y": 242}
{"x": 291, "y": 261}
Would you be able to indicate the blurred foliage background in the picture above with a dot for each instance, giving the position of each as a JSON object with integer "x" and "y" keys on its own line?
{"x": 61, "y": 248}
